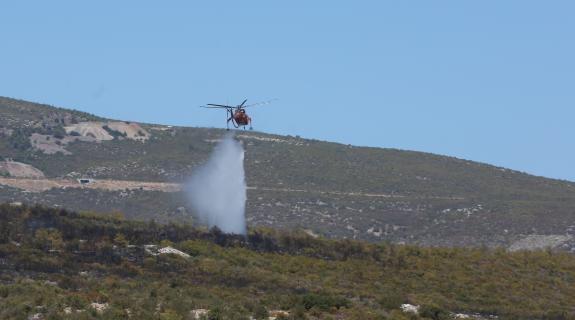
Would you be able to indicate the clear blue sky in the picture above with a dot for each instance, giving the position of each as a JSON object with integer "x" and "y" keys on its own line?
{"x": 491, "y": 81}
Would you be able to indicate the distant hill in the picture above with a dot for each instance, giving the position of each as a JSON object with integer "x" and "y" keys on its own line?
{"x": 328, "y": 189}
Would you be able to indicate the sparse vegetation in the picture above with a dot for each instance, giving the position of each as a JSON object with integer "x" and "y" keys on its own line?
{"x": 58, "y": 259}
{"x": 423, "y": 198}
{"x": 20, "y": 139}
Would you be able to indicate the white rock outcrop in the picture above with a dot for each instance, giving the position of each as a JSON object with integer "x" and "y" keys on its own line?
{"x": 170, "y": 250}
{"x": 199, "y": 313}
{"x": 537, "y": 241}
{"x": 409, "y": 308}
{"x": 99, "y": 307}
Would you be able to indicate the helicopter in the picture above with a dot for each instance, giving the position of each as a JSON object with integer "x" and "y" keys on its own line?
{"x": 237, "y": 115}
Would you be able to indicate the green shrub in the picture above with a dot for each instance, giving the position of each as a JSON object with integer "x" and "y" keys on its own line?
{"x": 323, "y": 301}
{"x": 434, "y": 312}
{"x": 261, "y": 312}
{"x": 391, "y": 301}
{"x": 4, "y": 291}
{"x": 216, "y": 313}
{"x": 114, "y": 133}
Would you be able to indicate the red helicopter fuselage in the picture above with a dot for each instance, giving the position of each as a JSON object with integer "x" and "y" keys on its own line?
{"x": 241, "y": 117}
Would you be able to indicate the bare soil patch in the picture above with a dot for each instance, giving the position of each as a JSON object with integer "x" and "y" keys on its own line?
{"x": 20, "y": 170}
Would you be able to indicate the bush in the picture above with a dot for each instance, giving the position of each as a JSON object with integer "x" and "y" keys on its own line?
{"x": 215, "y": 314}
{"x": 434, "y": 312}
{"x": 556, "y": 315}
{"x": 323, "y": 302}
{"x": 20, "y": 139}
{"x": 261, "y": 312}
{"x": 48, "y": 239}
{"x": 391, "y": 301}
{"x": 114, "y": 133}
{"x": 4, "y": 291}
{"x": 170, "y": 315}
{"x": 298, "y": 313}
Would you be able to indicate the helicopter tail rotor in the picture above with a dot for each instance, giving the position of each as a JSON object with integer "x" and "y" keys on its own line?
{"x": 260, "y": 103}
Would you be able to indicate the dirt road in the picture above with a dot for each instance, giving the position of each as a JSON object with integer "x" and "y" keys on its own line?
{"x": 41, "y": 185}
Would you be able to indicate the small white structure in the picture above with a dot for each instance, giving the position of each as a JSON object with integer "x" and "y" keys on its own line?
{"x": 84, "y": 181}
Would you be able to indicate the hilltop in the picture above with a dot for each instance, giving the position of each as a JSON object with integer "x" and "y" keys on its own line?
{"x": 329, "y": 189}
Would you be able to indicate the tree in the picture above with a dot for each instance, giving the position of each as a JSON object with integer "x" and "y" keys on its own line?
{"x": 48, "y": 239}
{"x": 120, "y": 240}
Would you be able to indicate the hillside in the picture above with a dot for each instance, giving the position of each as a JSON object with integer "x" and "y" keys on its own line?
{"x": 59, "y": 264}
{"x": 334, "y": 190}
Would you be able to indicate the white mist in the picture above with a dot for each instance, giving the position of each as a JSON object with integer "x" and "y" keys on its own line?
{"x": 217, "y": 189}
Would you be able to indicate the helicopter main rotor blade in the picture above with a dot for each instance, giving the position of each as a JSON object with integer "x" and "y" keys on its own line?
{"x": 241, "y": 105}
{"x": 260, "y": 103}
{"x": 219, "y": 105}
{"x": 215, "y": 107}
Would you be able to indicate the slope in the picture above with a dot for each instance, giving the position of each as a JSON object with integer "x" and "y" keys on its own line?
{"x": 64, "y": 265}
{"x": 331, "y": 189}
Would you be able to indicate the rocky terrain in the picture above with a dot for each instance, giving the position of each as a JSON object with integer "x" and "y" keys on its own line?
{"x": 327, "y": 189}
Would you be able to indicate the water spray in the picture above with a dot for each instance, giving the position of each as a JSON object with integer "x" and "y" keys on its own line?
{"x": 217, "y": 189}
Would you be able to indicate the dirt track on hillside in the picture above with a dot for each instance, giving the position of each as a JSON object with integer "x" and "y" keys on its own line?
{"x": 41, "y": 185}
